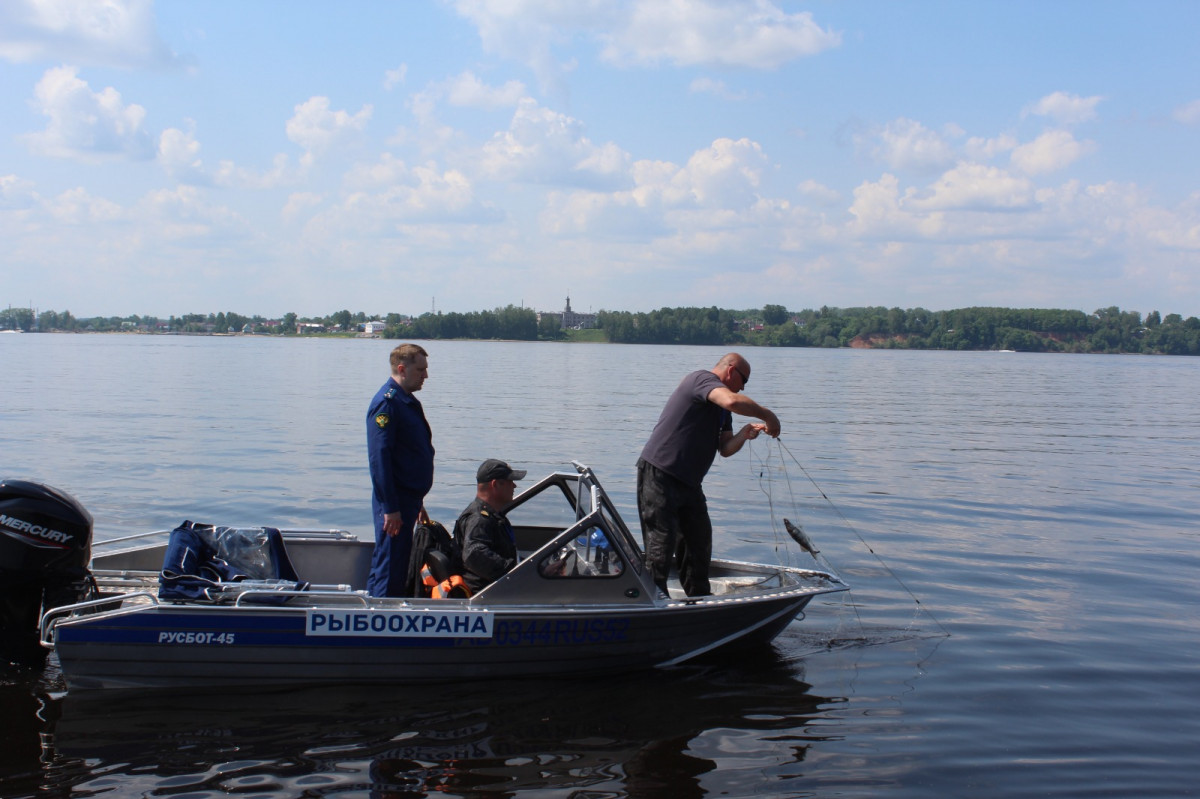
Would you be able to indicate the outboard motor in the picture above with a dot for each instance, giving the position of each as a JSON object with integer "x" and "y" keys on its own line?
{"x": 45, "y": 546}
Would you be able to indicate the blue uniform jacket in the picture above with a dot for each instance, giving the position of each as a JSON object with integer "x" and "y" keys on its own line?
{"x": 399, "y": 448}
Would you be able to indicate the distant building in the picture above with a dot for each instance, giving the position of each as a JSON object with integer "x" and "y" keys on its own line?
{"x": 373, "y": 328}
{"x": 574, "y": 320}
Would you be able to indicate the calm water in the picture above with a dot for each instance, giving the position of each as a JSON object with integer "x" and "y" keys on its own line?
{"x": 1045, "y": 510}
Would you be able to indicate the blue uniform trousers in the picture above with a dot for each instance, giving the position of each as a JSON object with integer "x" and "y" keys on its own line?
{"x": 389, "y": 562}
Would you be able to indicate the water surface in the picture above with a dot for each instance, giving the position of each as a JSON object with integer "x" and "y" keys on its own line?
{"x": 1042, "y": 508}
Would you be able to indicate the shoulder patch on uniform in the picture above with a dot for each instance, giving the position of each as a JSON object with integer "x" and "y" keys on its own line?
{"x": 381, "y": 420}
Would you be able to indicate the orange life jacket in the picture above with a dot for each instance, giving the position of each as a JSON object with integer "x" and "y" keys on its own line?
{"x": 452, "y": 587}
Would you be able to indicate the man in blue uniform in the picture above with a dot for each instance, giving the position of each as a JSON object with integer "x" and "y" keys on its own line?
{"x": 400, "y": 454}
{"x": 695, "y": 425}
{"x": 487, "y": 541}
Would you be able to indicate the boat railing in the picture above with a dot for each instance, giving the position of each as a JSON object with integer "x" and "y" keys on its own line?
{"x": 124, "y": 580}
{"x": 127, "y": 538}
{"x": 316, "y": 592}
{"x": 52, "y": 617}
{"x": 235, "y": 594}
{"x": 332, "y": 534}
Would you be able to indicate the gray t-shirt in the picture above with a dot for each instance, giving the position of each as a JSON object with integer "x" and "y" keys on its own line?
{"x": 685, "y": 440}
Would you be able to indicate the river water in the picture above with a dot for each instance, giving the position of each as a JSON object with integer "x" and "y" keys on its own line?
{"x": 1021, "y": 533}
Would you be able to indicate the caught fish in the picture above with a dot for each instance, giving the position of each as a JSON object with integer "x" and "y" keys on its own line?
{"x": 801, "y": 538}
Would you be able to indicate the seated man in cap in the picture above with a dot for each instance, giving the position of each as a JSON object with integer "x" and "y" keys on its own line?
{"x": 489, "y": 547}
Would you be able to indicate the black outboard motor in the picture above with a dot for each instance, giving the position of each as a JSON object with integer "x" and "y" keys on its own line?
{"x": 45, "y": 546}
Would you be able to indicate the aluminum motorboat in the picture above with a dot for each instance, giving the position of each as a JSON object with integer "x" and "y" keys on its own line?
{"x": 579, "y": 601}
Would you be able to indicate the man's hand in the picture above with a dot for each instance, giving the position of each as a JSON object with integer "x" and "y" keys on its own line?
{"x": 772, "y": 424}
{"x": 393, "y": 523}
{"x": 751, "y": 431}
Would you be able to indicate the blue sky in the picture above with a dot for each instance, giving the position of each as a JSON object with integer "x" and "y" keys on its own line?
{"x": 264, "y": 157}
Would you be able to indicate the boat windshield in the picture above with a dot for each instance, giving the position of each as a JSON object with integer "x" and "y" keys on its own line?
{"x": 589, "y": 554}
{"x": 593, "y": 540}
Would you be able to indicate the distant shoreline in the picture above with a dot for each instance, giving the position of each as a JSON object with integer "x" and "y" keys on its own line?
{"x": 855, "y": 344}
{"x": 1106, "y": 330}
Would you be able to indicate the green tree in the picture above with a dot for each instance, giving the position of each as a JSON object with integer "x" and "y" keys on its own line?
{"x": 550, "y": 328}
{"x": 341, "y": 319}
{"x": 16, "y": 319}
{"x": 774, "y": 314}
{"x": 515, "y": 323}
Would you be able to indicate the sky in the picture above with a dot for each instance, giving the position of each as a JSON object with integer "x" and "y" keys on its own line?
{"x": 163, "y": 158}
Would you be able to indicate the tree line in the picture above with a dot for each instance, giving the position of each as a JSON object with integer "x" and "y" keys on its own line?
{"x": 25, "y": 320}
{"x": 1106, "y": 330}
{"x": 511, "y": 323}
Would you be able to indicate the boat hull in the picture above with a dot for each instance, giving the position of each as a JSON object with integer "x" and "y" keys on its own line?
{"x": 165, "y": 645}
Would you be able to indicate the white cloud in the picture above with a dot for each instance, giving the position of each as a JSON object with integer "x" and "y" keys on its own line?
{"x": 281, "y": 173}
{"x": 464, "y": 90}
{"x": 87, "y": 125}
{"x": 79, "y": 207}
{"x": 1188, "y": 113}
{"x": 1050, "y": 152}
{"x": 544, "y": 146}
{"x": 183, "y": 213}
{"x": 1122, "y": 214}
{"x": 977, "y": 187}
{"x": 881, "y": 211}
{"x": 1066, "y": 109}
{"x": 725, "y": 175}
{"x": 820, "y": 193}
{"x": 315, "y": 128}
{"x": 298, "y": 204}
{"x": 619, "y": 214}
{"x": 15, "y": 193}
{"x": 100, "y": 32}
{"x": 394, "y": 77}
{"x": 178, "y": 154}
{"x": 745, "y": 33}
{"x": 423, "y": 104}
{"x": 981, "y": 149}
{"x": 717, "y": 188}
{"x": 907, "y": 144}
{"x": 467, "y": 90}
{"x": 716, "y": 88}
{"x": 421, "y": 195}
{"x": 525, "y": 31}
{"x": 434, "y": 194}
{"x": 387, "y": 171}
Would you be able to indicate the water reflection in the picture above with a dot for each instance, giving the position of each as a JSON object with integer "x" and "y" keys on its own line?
{"x": 639, "y": 736}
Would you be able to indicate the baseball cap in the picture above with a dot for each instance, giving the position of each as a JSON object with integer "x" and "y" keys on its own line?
{"x": 493, "y": 469}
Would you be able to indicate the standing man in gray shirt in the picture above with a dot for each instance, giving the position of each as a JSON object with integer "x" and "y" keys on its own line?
{"x": 695, "y": 425}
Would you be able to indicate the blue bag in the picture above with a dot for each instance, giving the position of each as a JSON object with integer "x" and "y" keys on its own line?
{"x": 200, "y": 557}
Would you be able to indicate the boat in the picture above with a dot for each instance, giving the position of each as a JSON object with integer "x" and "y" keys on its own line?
{"x": 580, "y": 601}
